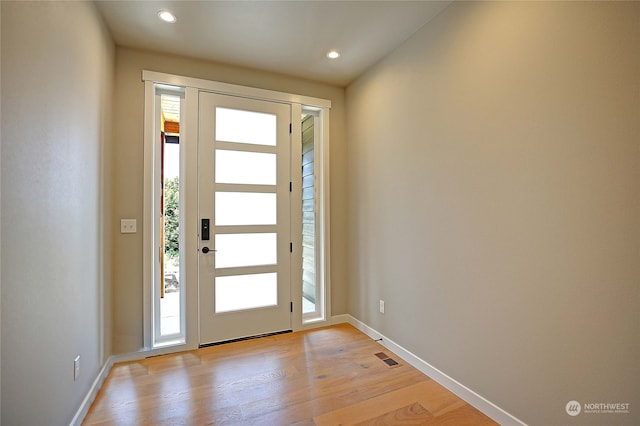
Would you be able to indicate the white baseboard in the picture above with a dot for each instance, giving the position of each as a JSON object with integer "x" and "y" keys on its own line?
{"x": 147, "y": 353}
{"x": 340, "y": 319}
{"x": 93, "y": 392}
{"x": 487, "y": 407}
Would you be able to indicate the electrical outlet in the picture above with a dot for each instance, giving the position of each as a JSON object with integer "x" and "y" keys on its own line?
{"x": 76, "y": 368}
{"x": 381, "y": 306}
{"x": 128, "y": 226}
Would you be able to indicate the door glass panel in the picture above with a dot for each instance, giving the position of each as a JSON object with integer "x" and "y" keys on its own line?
{"x": 234, "y": 250}
{"x": 245, "y": 208}
{"x": 233, "y": 125}
{"x": 246, "y": 292}
{"x": 245, "y": 167}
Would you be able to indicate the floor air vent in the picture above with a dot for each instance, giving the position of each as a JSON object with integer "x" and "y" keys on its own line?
{"x": 386, "y": 359}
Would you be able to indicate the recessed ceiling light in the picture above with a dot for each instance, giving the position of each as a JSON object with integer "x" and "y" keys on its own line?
{"x": 166, "y": 16}
{"x": 333, "y": 54}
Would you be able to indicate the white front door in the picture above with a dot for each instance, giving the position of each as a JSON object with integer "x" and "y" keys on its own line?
{"x": 244, "y": 193}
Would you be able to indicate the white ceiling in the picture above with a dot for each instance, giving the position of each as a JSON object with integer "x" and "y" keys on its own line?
{"x": 287, "y": 37}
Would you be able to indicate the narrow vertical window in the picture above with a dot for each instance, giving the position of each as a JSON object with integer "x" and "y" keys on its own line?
{"x": 312, "y": 277}
{"x": 168, "y": 288}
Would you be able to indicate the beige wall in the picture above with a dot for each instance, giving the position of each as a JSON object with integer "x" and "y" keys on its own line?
{"x": 494, "y": 203}
{"x": 128, "y": 174}
{"x": 57, "y": 74}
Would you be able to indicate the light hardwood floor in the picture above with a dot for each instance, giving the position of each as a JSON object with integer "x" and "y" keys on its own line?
{"x": 327, "y": 376}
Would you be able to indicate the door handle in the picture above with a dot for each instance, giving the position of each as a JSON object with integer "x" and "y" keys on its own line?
{"x": 206, "y": 250}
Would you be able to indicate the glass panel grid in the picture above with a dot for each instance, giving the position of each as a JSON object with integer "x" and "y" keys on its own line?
{"x": 245, "y": 167}
{"x": 245, "y": 208}
{"x": 234, "y": 250}
{"x": 241, "y": 126}
{"x": 239, "y": 292}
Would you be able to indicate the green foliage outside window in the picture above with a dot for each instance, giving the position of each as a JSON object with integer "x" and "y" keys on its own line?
{"x": 171, "y": 218}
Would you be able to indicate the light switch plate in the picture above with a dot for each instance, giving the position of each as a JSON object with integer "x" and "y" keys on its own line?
{"x": 128, "y": 226}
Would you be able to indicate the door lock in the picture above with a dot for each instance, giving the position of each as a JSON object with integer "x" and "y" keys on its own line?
{"x": 204, "y": 230}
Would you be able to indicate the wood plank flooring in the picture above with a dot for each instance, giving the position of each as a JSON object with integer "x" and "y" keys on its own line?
{"x": 327, "y": 376}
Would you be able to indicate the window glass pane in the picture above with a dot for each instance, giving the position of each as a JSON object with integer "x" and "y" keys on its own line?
{"x": 170, "y": 303}
{"x": 245, "y": 208}
{"x": 245, "y": 167}
{"x": 234, "y": 125}
{"x": 246, "y": 292}
{"x": 310, "y": 290}
{"x": 246, "y": 250}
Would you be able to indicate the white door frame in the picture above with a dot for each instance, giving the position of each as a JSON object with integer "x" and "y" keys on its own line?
{"x": 189, "y": 134}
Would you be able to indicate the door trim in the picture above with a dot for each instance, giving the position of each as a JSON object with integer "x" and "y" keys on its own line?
{"x": 234, "y": 89}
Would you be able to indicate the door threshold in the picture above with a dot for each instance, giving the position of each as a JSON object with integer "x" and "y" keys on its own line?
{"x": 258, "y": 336}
